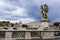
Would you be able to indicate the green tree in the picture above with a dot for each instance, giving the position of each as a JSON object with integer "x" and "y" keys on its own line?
{"x": 4, "y": 23}
{"x": 56, "y": 23}
{"x": 12, "y": 24}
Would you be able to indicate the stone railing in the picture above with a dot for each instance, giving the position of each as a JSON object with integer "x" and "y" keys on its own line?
{"x": 43, "y": 33}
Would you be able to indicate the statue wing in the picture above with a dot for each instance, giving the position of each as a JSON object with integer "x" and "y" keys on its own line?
{"x": 41, "y": 8}
{"x": 46, "y": 8}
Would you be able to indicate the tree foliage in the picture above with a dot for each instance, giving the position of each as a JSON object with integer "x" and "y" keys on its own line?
{"x": 4, "y": 23}
{"x": 56, "y": 23}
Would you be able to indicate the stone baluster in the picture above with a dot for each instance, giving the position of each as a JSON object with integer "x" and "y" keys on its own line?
{"x": 8, "y": 36}
{"x": 27, "y": 35}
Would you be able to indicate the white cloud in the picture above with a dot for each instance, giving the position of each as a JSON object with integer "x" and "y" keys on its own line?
{"x": 19, "y": 11}
{"x": 27, "y": 20}
{"x": 2, "y": 4}
{"x": 5, "y": 4}
{"x": 57, "y": 20}
{"x": 23, "y": 20}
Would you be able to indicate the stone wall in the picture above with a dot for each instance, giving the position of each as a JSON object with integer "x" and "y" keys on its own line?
{"x": 9, "y": 35}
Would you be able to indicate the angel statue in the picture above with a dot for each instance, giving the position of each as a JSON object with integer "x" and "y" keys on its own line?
{"x": 44, "y": 11}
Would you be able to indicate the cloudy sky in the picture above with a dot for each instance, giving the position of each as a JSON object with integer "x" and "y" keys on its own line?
{"x": 28, "y": 10}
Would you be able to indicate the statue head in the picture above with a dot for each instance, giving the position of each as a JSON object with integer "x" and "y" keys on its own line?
{"x": 45, "y": 8}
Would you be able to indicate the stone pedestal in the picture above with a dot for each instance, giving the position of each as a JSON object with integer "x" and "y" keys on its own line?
{"x": 27, "y": 35}
{"x": 47, "y": 35}
{"x": 44, "y": 20}
{"x": 44, "y": 24}
{"x": 8, "y": 36}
